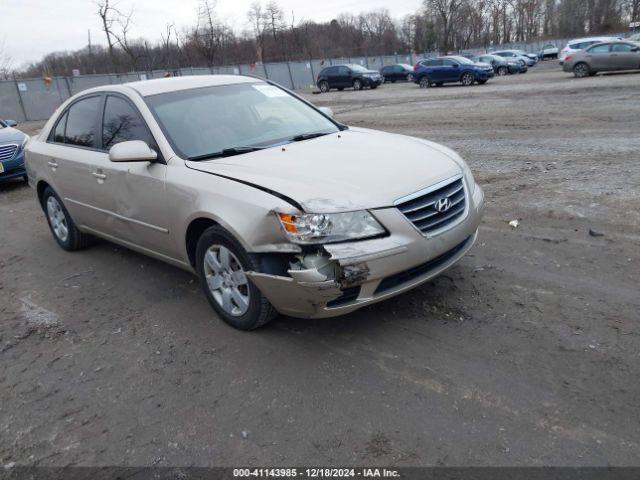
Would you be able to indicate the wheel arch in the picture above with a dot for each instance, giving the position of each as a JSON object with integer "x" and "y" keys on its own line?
{"x": 41, "y": 186}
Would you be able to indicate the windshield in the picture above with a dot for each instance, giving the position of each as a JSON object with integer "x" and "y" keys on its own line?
{"x": 358, "y": 68}
{"x": 205, "y": 121}
{"x": 461, "y": 60}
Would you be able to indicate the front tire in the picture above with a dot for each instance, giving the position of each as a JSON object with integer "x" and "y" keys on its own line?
{"x": 357, "y": 84}
{"x": 424, "y": 82}
{"x": 221, "y": 263}
{"x": 64, "y": 230}
{"x": 324, "y": 86}
{"x": 581, "y": 70}
{"x": 481, "y": 82}
{"x": 502, "y": 71}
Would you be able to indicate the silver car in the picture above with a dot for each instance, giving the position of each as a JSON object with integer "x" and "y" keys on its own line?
{"x": 272, "y": 203}
{"x": 603, "y": 57}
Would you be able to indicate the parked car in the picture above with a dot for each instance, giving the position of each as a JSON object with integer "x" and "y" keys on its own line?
{"x": 582, "y": 43}
{"x": 634, "y": 38}
{"x": 452, "y": 69}
{"x": 348, "y": 76}
{"x": 397, "y": 73}
{"x": 272, "y": 203}
{"x": 501, "y": 66}
{"x": 548, "y": 51}
{"x": 12, "y": 143}
{"x": 513, "y": 55}
{"x": 532, "y": 56}
{"x": 603, "y": 57}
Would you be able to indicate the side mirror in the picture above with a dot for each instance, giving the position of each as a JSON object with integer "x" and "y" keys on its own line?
{"x": 11, "y": 123}
{"x": 327, "y": 111}
{"x": 132, "y": 151}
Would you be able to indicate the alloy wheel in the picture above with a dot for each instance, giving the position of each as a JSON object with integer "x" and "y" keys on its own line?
{"x": 581, "y": 70}
{"x": 57, "y": 219}
{"x": 226, "y": 280}
{"x": 467, "y": 79}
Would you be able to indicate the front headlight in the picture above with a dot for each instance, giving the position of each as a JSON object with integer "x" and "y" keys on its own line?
{"x": 468, "y": 177}
{"x": 310, "y": 228}
{"x": 24, "y": 142}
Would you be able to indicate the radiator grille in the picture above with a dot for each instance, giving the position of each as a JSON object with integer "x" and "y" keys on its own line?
{"x": 436, "y": 209}
{"x": 7, "y": 151}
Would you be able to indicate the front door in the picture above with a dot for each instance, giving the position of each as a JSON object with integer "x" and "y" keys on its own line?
{"x": 623, "y": 57}
{"x": 132, "y": 194}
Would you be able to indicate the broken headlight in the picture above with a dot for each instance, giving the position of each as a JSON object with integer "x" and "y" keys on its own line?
{"x": 310, "y": 228}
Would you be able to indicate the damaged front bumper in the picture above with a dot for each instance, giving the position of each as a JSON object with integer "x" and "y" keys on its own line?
{"x": 369, "y": 271}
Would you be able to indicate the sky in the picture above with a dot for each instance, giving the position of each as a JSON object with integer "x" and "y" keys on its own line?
{"x": 29, "y": 29}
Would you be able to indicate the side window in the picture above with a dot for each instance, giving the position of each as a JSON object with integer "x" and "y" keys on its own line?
{"x": 600, "y": 49}
{"x": 58, "y": 133}
{"x": 621, "y": 47}
{"x": 448, "y": 62}
{"x": 121, "y": 123}
{"x": 81, "y": 123}
{"x": 330, "y": 72}
{"x": 343, "y": 71}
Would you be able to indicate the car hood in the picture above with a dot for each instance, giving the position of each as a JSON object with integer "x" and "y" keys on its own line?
{"x": 483, "y": 65}
{"x": 11, "y": 135}
{"x": 350, "y": 170}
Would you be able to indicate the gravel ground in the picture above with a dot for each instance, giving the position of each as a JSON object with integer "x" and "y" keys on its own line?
{"x": 525, "y": 353}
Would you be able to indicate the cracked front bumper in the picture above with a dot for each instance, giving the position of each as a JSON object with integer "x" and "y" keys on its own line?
{"x": 389, "y": 266}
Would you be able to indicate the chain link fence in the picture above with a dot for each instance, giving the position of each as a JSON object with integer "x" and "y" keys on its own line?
{"x": 36, "y": 99}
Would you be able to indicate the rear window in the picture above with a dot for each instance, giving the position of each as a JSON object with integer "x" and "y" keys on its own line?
{"x": 81, "y": 123}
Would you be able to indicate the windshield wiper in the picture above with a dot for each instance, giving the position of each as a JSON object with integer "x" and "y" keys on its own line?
{"x": 227, "y": 152}
{"x": 307, "y": 136}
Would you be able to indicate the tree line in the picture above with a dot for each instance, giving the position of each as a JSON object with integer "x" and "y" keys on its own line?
{"x": 273, "y": 35}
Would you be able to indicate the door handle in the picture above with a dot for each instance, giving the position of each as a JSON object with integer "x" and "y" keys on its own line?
{"x": 52, "y": 164}
{"x": 100, "y": 176}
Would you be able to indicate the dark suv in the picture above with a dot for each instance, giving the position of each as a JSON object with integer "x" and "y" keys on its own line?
{"x": 436, "y": 71}
{"x": 347, "y": 76}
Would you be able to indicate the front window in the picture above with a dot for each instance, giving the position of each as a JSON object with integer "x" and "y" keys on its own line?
{"x": 600, "y": 49}
{"x": 206, "y": 121}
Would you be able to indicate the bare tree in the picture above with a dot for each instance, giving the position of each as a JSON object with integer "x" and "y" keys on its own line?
{"x": 133, "y": 50}
{"x": 108, "y": 12}
{"x": 257, "y": 19}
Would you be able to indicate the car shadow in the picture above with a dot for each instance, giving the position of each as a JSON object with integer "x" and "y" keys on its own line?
{"x": 12, "y": 184}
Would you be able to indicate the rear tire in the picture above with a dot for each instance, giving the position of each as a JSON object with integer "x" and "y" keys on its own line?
{"x": 237, "y": 301}
{"x": 324, "y": 86}
{"x": 467, "y": 79}
{"x": 581, "y": 70}
{"x": 62, "y": 227}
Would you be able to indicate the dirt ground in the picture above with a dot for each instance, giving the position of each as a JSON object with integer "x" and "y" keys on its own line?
{"x": 525, "y": 353}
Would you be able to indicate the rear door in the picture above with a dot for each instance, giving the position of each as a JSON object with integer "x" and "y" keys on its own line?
{"x": 599, "y": 57}
{"x": 433, "y": 69}
{"x": 73, "y": 149}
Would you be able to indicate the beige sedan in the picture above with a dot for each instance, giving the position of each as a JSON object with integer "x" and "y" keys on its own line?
{"x": 272, "y": 203}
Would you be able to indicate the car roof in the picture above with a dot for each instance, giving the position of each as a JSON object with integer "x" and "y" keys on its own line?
{"x": 172, "y": 84}
{"x": 591, "y": 39}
